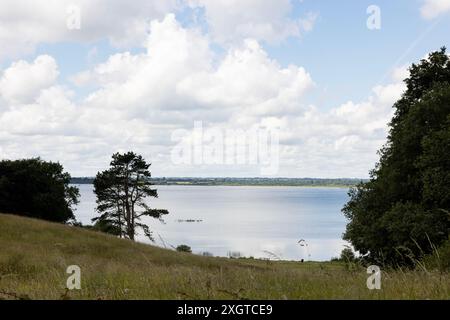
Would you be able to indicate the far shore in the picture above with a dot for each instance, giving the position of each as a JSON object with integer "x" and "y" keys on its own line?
{"x": 247, "y": 182}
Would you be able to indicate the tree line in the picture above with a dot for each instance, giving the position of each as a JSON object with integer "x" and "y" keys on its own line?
{"x": 230, "y": 181}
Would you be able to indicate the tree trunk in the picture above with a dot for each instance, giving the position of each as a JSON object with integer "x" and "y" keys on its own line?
{"x": 130, "y": 224}
{"x": 120, "y": 220}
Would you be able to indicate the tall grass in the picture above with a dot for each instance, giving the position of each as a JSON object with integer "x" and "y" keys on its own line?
{"x": 34, "y": 256}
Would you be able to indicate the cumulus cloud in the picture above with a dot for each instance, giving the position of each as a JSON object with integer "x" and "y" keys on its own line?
{"x": 432, "y": 8}
{"x": 52, "y": 113}
{"x": 23, "y": 81}
{"x": 127, "y": 23}
{"x": 341, "y": 142}
{"x": 140, "y": 99}
{"x": 43, "y": 21}
{"x": 180, "y": 72}
{"x": 247, "y": 79}
{"x": 269, "y": 20}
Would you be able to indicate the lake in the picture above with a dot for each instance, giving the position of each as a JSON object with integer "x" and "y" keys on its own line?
{"x": 263, "y": 222}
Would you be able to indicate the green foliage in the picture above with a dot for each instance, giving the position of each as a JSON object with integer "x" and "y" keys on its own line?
{"x": 38, "y": 189}
{"x": 439, "y": 259}
{"x": 122, "y": 192}
{"x": 107, "y": 226}
{"x": 184, "y": 248}
{"x": 443, "y": 254}
{"x": 399, "y": 215}
{"x": 347, "y": 255}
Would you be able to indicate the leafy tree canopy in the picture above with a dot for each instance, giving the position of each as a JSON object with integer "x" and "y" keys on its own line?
{"x": 122, "y": 196}
{"x": 403, "y": 209}
{"x": 37, "y": 189}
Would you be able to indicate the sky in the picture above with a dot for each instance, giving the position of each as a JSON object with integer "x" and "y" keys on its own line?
{"x": 209, "y": 88}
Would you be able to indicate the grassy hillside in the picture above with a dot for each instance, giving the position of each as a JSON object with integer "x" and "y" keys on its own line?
{"x": 34, "y": 256}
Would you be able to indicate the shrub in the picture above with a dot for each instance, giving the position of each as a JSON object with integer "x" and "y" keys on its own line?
{"x": 440, "y": 259}
{"x": 184, "y": 248}
{"x": 347, "y": 255}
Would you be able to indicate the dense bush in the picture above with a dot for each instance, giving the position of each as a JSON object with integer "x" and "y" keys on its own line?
{"x": 37, "y": 189}
{"x": 439, "y": 259}
{"x": 347, "y": 255}
{"x": 184, "y": 248}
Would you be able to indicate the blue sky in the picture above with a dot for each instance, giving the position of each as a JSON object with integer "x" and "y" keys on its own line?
{"x": 347, "y": 58}
{"x": 344, "y": 56}
{"x": 313, "y": 69}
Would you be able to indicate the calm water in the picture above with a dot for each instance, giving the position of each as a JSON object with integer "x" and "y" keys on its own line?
{"x": 249, "y": 220}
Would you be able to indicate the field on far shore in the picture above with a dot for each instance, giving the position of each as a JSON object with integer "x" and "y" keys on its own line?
{"x": 34, "y": 256}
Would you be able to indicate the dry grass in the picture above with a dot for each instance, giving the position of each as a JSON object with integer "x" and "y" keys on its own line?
{"x": 34, "y": 256}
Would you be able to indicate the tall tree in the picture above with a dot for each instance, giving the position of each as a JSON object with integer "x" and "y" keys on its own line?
{"x": 37, "y": 189}
{"x": 122, "y": 193}
{"x": 396, "y": 216}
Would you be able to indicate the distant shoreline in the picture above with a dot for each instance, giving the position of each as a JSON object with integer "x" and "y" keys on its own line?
{"x": 249, "y": 182}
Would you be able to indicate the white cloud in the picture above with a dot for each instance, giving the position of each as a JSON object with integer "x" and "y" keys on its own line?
{"x": 400, "y": 73}
{"x": 341, "y": 142}
{"x": 247, "y": 79}
{"x": 126, "y": 23}
{"x": 113, "y": 70}
{"x": 233, "y": 20}
{"x": 140, "y": 99}
{"x": 433, "y": 8}
{"x": 181, "y": 73}
{"x": 52, "y": 113}
{"x": 25, "y": 24}
{"x": 22, "y": 81}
